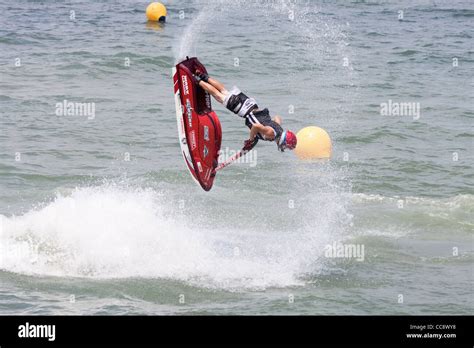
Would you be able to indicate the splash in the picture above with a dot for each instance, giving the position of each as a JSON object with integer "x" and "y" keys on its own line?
{"x": 111, "y": 232}
{"x": 190, "y": 38}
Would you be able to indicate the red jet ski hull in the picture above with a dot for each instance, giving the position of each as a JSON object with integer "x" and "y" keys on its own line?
{"x": 199, "y": 129}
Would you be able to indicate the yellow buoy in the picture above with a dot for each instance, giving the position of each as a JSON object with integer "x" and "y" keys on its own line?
{"x": 156, "y": 11}
{"x": 313, "y": 142}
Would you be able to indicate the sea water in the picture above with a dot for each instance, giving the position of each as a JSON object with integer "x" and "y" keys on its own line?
{"x": 98, "y": 214}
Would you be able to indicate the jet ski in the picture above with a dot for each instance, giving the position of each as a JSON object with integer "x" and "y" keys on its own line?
{"x": 199, "y": 128}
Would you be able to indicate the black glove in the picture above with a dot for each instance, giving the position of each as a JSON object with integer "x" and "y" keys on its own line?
{"x": 201, "y": 76}
{"x": 249, "y": 144}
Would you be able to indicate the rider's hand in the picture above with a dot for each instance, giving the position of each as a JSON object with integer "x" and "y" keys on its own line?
{"x": 249, "y": 144}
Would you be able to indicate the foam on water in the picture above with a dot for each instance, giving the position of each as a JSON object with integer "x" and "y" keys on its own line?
{"x": 112, "y": 232}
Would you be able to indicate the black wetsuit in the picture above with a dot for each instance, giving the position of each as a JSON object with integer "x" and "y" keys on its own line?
{"x": 263, "y": 117}
{"x": 245, "y": 107}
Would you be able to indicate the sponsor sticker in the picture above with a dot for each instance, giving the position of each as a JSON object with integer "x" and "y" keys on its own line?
{"x": 208, "y": 100}
{"x": 189, "y": 113}
{"x": 206, "y": 133}
{"x": 205, "y": 151}
{"x": 184, "y": 79}
{"x": 193, "y": 140}
{"x": 199, "y": 167}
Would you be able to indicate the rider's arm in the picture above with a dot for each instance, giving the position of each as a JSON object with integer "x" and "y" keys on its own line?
{"x": 265, "y": 131}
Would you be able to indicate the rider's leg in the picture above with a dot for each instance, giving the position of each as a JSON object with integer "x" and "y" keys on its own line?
{"x": 220, "y": 87}
{"x": 212, "y": 81}
{"x": 213, "y": 91}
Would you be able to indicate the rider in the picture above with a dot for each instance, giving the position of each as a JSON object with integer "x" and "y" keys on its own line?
{"x": 261, "y": 125}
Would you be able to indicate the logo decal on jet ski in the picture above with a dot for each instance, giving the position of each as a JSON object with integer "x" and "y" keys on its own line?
{"x": 208, "y": 100}
{"x": 193, "y": 140}
{"x": 205, "y": 151}
{"x": 184, "y": 78}
{"x": 206, "y": 133}
{"x": 189, "y": 113}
